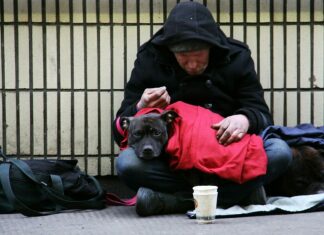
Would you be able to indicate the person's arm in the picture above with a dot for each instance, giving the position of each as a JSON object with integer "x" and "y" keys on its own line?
{"x": 251, "y": 97}
{"x": 140, "y": 92}
{"x": 132, "y": 94}
{"x": 253, "y": 113}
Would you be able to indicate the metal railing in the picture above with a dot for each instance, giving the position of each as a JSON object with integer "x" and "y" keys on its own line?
{"x": 64, "y": 65}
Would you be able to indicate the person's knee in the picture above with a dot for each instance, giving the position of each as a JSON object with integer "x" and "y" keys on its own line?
{"x": 127, "y": 163}
{"x": 278, "y": 151}
{"x": 279, "y": 157}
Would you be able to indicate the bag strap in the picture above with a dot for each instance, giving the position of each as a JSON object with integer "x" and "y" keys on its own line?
{"x": 56, "y": 194}
{"x": 24, "y": 168}
{"x": 13, "y": 200}
{"x": 93, "y": 203}
{"x": 57, "y": 184}
{"x": 110, "y": 198}
{"x": 2, "y": 155}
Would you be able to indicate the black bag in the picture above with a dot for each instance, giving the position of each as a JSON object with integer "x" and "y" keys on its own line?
{"x": 43, "y": 187}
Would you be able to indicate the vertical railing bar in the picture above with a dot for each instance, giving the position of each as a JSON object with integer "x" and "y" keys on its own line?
{"x": 3, "y": 83}
{"x": 151, "y": 18}
{"x": 31, "y": 85}
{"x": 72, "y": 140}
{"x": 271, "y": 58}
{"x": 258, "y": 36}
{"x": 111, "y": 10}
{"x": 125, "y": 48}
{"x": 312, "y": 76}
{"x": 16, "y": 42}
{"x": 231, "y": 18}
{"x": 298, "y": 63}
{"x": 58, "y": 68}
{"x": 138, "y": 26}
{"x": 285, "y": 62}
{"x": 125, "y": 40}
{"x": 85, "y": 46}
{"x": 44, "y": 31}
{"x": 165, "y": 10}
{"x": 218, "y": 11}
{"x": 99, "y": 85}
{"x": 244, "y": 21}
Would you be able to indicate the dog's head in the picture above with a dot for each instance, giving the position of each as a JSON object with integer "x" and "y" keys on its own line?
{"x": 148, "y": 133}
{"x": 306, "y": 173}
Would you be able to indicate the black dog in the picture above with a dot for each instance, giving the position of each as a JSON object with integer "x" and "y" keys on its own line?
{"x": 148, "y": 133}
{"x": 304, "y": 176}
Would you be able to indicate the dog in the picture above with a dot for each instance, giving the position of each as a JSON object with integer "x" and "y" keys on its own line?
{"x": 148, "y": 133}
{"x": 304, "y": 176}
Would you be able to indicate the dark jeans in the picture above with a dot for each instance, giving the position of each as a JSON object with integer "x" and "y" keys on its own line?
{"x": 157, "y": 175}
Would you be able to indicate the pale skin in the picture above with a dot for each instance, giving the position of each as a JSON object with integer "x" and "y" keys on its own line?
{"x": 230, "y": 129}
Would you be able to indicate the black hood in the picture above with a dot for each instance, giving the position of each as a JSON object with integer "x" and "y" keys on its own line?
{"x": 190, "y": 20}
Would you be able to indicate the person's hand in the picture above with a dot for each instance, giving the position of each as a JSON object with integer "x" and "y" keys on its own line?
{"x": 231, "y": 129}
{"x": 154, "y": 98}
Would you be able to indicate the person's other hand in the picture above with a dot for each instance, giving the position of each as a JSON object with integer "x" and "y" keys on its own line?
{"x": 157, "y": 97}
{"x": 231, "y": 129}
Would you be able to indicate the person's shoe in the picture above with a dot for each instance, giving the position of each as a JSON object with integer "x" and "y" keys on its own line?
{"x": 156, "y": 203}
{"x": 257, "y": 197}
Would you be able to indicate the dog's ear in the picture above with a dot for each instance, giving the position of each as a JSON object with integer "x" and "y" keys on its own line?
{"x": 125, "y": 121}
{"x": 169, "y": 116}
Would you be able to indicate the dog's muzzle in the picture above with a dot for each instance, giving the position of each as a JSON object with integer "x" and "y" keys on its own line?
{"x": 148, "y": 152}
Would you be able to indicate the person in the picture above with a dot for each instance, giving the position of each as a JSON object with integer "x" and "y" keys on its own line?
{"x": 191, "y": 60}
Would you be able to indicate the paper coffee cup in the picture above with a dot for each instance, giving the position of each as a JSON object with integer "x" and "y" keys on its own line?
{"x": 205, "y": 197}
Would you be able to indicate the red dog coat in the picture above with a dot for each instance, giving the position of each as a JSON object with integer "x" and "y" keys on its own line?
{"x": 192, "y": 144}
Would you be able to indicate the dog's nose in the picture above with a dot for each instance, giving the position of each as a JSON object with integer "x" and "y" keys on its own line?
{"x": 148, "y": 150}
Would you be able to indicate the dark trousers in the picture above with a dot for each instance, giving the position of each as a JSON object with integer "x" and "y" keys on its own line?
{"x": 156, "y": 174}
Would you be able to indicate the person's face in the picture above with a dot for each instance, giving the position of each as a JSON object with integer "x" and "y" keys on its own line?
{"x": 193, "y": 62}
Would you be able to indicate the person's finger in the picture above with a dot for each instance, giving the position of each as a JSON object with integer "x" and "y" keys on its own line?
{"x": 156, "y": 94}
{"x": 216, "y": 126}
{"x": 168, "y": 99}
{"x": 222, "y": 129}
{"x": 150, "y": 95}
{"x": 161, "y": 102}
{"x": 165, "y": 98}
{"x": 222, "y": 139}
{"x": 155, "y": 89}
{"x": 235, "y": 136}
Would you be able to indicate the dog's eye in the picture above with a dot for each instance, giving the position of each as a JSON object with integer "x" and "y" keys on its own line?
{"x": 138, "y": 133}
{"x": 156, "y": 132}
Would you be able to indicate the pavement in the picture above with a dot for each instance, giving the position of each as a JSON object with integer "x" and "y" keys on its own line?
{"x": 124, "y": 220}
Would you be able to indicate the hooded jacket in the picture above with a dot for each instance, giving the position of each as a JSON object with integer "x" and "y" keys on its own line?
{"x": 228, "y": 86}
